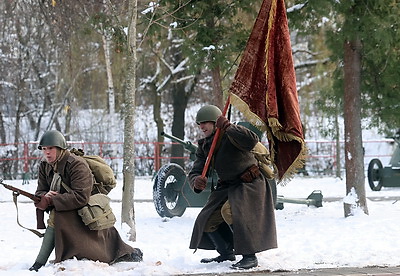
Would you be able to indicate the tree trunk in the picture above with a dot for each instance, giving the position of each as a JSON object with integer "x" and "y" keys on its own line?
{"x": 215, "y": 71}
{"x": 3, "y": 138}
{"x": 178, "y": 122}
{"x": 338, "y": 149}
{"x": 217, "y": 88}
{"x": 16, "y": 138}
{"x": 128, "y": 210}
{"x": 110, "y": 82}
{"x": 354, "y": 157}
{"x": 68, "y": 119}
{"x": 159, "y": 121}
{"x": 111, "y": 118}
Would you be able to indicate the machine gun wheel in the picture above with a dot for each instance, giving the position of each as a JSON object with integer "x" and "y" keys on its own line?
{"x": 166, "y": 191}
{"x": 374, "y": 174}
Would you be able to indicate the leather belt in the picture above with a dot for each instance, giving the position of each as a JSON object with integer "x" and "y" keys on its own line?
{"x": 250, "y": 174}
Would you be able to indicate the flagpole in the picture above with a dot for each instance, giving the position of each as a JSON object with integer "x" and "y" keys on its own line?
{"x": 214, "y": 142}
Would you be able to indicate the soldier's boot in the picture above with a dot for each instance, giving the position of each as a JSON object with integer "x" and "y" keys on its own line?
{"x": 135, "y": 256}
{"x": 247, "y": 262}
{"x": 45, "y": 250}
{"x": 222, "y": 247}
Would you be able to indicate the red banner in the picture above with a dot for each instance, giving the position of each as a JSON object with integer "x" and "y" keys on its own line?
{"x": 264, "y": 89}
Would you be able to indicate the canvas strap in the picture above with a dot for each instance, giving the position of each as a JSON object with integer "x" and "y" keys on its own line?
{"x": 37, "y": 233}
{"x": 56, "y": 182}
{"x": 66, "y": 187}
{"x": 54, "y": 186}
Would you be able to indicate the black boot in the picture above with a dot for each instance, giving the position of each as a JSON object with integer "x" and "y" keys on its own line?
{"x": 222, "y": 247}
{"x": 135, "y": 256}
{"x": 248, "y": 261}
{"x": 45, "y": 250}
{"x": 36, "y": 266}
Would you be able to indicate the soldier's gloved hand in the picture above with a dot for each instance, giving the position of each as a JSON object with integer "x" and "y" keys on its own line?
{"x": 44, "y": 202}
{"x": 222, "y": 123}
{"x": 200, "y": 183}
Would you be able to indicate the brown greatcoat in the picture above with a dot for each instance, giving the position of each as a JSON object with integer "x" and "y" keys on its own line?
{"x": 72, "y": 237}
{"x": 254, "y": 228}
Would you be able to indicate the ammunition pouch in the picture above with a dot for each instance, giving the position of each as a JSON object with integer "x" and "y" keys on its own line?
{"x": 250, "y": 174}
{"x": 97, "y": 214}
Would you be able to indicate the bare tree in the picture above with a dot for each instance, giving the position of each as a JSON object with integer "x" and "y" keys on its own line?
{"x": 2, "y": 130}
{"x": 106, "y": 36}
{"x": 128, "y": 210}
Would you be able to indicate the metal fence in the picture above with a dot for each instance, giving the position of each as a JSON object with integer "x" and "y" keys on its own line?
{"x": 20, "y": 160}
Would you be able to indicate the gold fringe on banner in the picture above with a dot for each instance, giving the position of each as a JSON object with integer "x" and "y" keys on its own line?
{"x": 264, "y": 89}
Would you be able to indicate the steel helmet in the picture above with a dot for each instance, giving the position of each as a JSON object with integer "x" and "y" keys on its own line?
{"x": 52, "y": 138}
{"x": 208, "y": 113}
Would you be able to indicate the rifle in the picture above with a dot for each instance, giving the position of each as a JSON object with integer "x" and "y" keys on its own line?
{"x": 18, "y": 192}
{"x": 36, "y": 199}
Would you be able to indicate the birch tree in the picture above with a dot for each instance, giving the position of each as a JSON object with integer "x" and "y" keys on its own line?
{"x": 128, "y": 210}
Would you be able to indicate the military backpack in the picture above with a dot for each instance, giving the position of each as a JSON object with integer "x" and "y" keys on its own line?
{"x": 102, "y": 172}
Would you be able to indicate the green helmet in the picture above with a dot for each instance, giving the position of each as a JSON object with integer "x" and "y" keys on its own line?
{"x": 52, "y": 138}
{"x": 208, "y": 113}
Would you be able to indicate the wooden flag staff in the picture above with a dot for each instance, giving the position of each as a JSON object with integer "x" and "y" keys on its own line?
{"x": 214, "y": 142}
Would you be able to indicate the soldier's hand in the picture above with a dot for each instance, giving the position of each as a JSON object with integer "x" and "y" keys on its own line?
{"x": 200, "y": 183}
{"x": 45, "y": 201}
{"x": 51, "y": 193}
{"x": 222, "y": 123}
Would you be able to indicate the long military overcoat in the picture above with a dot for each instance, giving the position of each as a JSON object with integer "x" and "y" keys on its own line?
{"x": 72, "y": 237}
{"x": 254, "y": 228}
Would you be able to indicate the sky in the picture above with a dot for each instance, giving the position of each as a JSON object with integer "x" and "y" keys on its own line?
{"x": 308, "y": 237}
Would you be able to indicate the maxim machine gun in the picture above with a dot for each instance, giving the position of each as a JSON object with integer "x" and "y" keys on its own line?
{"x": 388, "y": 176}
{"x": 172, "y": 193}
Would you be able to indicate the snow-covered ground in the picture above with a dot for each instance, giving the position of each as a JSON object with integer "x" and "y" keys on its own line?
{"x": 308, "y": 237}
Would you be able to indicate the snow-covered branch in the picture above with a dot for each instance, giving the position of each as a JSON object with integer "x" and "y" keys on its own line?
{"x": 296, "y": 7}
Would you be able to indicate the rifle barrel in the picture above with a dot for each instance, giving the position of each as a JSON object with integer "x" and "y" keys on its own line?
{"x": 187, "y": 145}
{"x": 33, "y": 197}
{"x": 173, "y": 138}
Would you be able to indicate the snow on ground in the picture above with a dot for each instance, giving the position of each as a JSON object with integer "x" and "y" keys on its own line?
{"x": 308, "y": 237}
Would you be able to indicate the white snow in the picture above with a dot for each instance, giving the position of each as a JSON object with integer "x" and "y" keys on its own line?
{"x": 308, "y": 237}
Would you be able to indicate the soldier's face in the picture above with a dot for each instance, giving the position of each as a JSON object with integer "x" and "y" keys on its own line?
{"x": 50, "y": 153}
{"x": 207, "y": 128}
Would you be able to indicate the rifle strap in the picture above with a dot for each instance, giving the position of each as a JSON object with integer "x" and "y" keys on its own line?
{"x": 37, "y": 233}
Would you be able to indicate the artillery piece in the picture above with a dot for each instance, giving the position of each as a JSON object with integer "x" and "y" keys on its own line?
{"x": 172, "y": 193}
{"x": 388, "y": 176}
